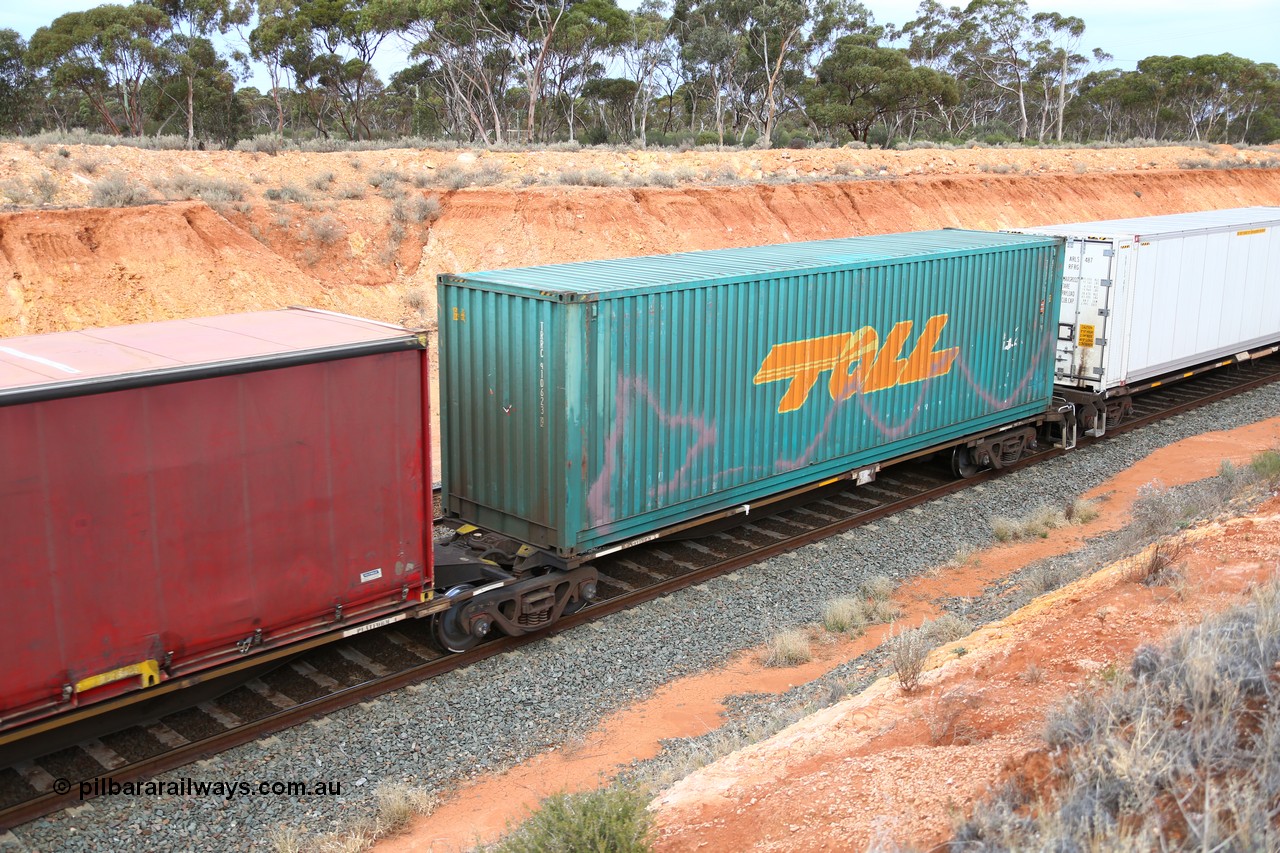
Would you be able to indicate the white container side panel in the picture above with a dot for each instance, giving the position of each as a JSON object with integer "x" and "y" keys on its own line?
{"x": 1184, "y": 290}
{"x": 1195, "y": 299}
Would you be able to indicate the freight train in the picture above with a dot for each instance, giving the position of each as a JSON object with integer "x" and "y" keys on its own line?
{"x": 188, "y": 497}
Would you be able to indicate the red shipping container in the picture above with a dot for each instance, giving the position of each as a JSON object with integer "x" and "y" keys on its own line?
{"x": 176, "y": 495}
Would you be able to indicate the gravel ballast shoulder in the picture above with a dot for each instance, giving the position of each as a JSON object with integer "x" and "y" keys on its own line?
{"x": 503, "y": 710}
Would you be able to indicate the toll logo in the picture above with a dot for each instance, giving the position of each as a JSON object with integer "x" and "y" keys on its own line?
{"x": 858, "y": 361}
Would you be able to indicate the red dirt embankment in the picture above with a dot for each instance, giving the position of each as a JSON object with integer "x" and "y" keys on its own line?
{"x": 67, "y": 269}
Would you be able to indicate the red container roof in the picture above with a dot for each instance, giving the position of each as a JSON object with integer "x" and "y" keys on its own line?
{"x": 93, "y": 360}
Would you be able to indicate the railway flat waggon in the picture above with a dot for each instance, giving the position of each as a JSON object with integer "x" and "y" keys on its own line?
{"x": 587, "y": 406}
{"x": 175, "y": 496}
{"x": 1147, "y": 298}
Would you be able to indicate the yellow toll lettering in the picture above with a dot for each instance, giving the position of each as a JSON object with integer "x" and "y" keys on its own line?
{"x": 860, "y": 350}
{"x": 925, "y": 361}
{"x": 888, "y": 364}
{"x": 857, "y": 361}
{"x": 802, "y": 362}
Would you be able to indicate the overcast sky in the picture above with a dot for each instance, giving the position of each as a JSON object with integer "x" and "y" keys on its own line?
{"x": 1129, "y": 31}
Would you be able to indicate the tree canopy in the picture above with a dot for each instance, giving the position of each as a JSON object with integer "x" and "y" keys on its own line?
{"x": 762, "y": 72}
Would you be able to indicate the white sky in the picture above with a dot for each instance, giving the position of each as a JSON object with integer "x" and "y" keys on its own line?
{"x": 1128, "y": 30}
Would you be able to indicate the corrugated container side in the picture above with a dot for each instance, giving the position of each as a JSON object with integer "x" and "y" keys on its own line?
{"x": 184, "y": 517}
{"x": 644, "y": 408}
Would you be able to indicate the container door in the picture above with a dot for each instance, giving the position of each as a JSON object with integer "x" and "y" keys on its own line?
{"x": 1087, "y": 277}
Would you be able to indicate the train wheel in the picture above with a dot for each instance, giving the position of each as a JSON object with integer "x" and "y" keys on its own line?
{"x": 450, "y": 633}
{"x": 962, "y": 464}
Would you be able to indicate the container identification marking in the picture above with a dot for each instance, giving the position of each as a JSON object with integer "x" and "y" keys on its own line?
{"x": 371, "y": 575}
{"x": 1251, "y": 231}
{"x": 1086, "y": 335}
{"x": 857, "y": 361}
{"x": 373, "y": 626}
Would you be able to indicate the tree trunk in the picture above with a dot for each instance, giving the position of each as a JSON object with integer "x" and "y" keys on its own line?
{"x": 191, "y": 112}
{"x": 1062, "y": 94}
{"x": 773, "y": 80}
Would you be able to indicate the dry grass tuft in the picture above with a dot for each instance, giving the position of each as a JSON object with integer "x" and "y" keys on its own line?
{"x": 119, "y": 190}
{"x": 326, "y": 230}
{"x": 788, "y": 648}
{"x": 845, "y": 616}
{"x": 879, "y": 588}
{"x": 1184, "y": 746}
{"x": 614, "y": 819}
{"x": 1158, "y": 565}
{"x": 907, "y": 653}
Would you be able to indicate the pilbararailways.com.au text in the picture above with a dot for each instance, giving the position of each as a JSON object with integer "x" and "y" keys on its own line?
{"x": 228, "y": 789}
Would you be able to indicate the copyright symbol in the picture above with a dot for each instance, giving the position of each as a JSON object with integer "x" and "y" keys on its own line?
{"x": 61, "y": 786}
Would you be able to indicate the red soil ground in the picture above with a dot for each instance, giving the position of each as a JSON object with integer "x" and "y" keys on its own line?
{"x": 868, "y": 768}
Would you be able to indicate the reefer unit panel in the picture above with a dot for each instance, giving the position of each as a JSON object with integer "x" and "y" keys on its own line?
{"x": 588, "y": 404}
{"x": 174, "y": 493}
{"x": 1148, "y": 296}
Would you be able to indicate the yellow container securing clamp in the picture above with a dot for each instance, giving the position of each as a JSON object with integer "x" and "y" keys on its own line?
{"x": 147, "y": 671}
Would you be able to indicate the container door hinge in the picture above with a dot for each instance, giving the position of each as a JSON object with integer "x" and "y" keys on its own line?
{"x": 337, "y": 613}
{"x": 1108, "y": 253}
{"x": 1106, "y": 282}
{"x": 1104, "y": 312}
{"x": 1098, "y": 371}
{"x": 1101, "y": 342}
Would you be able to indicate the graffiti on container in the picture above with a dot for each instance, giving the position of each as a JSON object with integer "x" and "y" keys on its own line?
{"x": 636, "y": 392}
{"x": 858, "y": 362}
{"x": 640, "y": 407}
{"x": 1033, "y": 373}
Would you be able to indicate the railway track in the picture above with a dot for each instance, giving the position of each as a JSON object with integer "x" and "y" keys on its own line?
{"x": 341, "y": 674}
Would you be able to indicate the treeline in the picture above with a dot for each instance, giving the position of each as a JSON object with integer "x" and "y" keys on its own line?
{"x": 780, "y": 72}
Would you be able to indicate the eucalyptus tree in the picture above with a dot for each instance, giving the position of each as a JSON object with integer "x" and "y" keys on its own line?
{"x": 527, "y": 28}
{"x": 611, "y": 98}
{"x": 934, "y": 40}
{"x": 278, "y": 28}
{"x": 782, "y": 34}
{"x": 646, "y": 52}
{"x": 1258, "y": 97}
{"x": 19, "y": 88}
{"x": 1059, "y": 66}
{"x": 193, "y": 80}
{"x": 860, "y": 83}
{"x": 471, "y": 66}
{"x": 591, "y": 32}
{"x": 1000, "y": 45}
{"x": 711, "y": 35}
{"x": 331, "y": 45}
{"x": 188, "y": 48}
{"x": 106, "y": 53}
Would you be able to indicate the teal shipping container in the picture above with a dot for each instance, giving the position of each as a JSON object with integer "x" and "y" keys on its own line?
{"x": 589, "y": 404}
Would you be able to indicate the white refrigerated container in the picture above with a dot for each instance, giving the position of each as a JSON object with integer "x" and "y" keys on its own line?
{"x": 1154, "y": 295}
